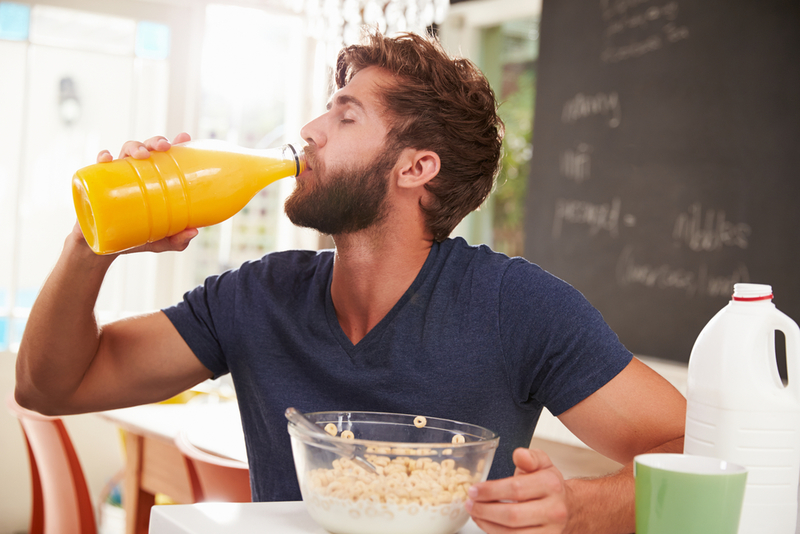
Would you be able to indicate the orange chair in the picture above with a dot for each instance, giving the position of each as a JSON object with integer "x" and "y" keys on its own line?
{"x": 212, "y": 477}
{"x": 61, "y": 501}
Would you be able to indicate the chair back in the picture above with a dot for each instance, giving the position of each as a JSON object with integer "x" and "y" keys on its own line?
{"x": 61, "y": 501}
{"x": 214, "y": 478}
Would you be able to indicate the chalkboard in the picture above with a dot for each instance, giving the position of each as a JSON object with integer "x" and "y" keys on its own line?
{"x": 666, "y": 157}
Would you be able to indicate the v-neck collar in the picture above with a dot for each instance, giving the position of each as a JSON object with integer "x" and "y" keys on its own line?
{"x": 377, "y": 331}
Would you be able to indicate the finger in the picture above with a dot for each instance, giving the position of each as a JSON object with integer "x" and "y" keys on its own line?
{"x": 531, "y": 514}
{"x": 494, "y": 528}
{"x": 134, "y": 149}
{"x": 181, "y": 138}
{"x": 519, "y": 487}
{"x": 530, "y": 460}
{"x": 104, "y": 156}
{"x": 174, "y": 243}
{"x": 158, "y": 143}
{"x": 182, "y": 239}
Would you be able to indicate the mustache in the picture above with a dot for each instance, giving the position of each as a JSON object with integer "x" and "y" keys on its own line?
{"x": 311, "y": 156}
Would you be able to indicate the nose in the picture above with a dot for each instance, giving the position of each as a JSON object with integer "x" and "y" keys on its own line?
{"x": 314, "y": 132}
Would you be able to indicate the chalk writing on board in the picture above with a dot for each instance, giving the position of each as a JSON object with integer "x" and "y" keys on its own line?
{"x": 612, "y": 8}
{"x": 621, "y": 20}
{"x": 576, "y": 164}
{"x": 637, "y": 27}
{"x": 597, "y": 217}
{"x": 582, "y": 106}
{"x": 675, "y": 33}
{"x": 712, "y": 232}
{"x": 699, "y": 282}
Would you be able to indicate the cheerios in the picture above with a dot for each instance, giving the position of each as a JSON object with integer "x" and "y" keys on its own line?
{"x": 331, "y": 429}
{"x": 420, "y": 421}
{"x": 346, "y": 434}
{"x": 401, "y": 480}
{"x": 458, "y": 438}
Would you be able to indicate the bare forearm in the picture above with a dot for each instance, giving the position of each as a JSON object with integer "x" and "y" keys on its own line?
{"x": 603, "y": 505}
{"x": 61, "y": 335}
{"x": 606, "y": 505}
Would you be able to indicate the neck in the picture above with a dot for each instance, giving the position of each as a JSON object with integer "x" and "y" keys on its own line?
{"x": 372, "y": 270}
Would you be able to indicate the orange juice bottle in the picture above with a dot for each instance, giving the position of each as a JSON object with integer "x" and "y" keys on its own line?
{"x": 129, "y": 202}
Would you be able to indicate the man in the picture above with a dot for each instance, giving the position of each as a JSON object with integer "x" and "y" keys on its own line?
{"x": 398, "y": 318}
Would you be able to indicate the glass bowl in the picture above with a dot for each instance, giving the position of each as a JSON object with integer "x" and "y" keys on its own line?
{"x": 424, "y": 471}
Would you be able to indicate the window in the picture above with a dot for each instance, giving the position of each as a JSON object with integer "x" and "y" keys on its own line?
{"x": 250, "y": 87}
{"x": 512, "y": 73}
{"x": 67, "y": 75}
{"x": 77, "y": 81}
{"x": 502, "y": 38}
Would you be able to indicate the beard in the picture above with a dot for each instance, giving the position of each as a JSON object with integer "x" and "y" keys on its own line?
{"x": 345, "y": 200}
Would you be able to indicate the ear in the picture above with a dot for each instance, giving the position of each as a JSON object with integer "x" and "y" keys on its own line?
{"x": 417, "y": 167}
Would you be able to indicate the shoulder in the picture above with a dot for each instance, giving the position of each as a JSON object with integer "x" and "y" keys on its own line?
{"x": 277, "y": 273}
{"x": 530, "y": 292}
{"x": 455, "y": 252}
{"x": 528, "y": 280}
{"x": 525, "y": 292}
{"x": 284, "y": 278}
{"x": 513, "y": 273}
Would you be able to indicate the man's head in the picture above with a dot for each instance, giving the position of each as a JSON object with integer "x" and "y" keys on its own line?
{"x": 439, "y": 104}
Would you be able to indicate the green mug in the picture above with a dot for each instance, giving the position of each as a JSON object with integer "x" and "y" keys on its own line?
{"x": 686, "y": 494}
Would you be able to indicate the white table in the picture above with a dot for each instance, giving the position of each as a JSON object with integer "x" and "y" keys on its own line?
{"x": 153, "y": 462}
{"x": 243, "y": 518}
{"x": 215, "y": 427}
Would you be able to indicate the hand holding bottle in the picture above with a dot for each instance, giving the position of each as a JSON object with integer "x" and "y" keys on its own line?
{"x": 157, "y": 191}
{"x": 141, "y": 150}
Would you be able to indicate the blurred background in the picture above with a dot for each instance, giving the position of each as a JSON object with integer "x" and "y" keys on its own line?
{"x": 79, "y": 76}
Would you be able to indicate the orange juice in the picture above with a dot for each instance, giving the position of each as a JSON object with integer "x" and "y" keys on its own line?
{"x": 129, "y": 202}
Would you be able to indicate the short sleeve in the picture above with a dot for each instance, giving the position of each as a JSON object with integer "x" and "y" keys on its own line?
{"x": 204, "y": 318}
{"x": 557, "y": 346}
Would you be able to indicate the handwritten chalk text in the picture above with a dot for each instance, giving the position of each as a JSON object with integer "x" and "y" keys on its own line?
{"x": 668, "y": 12}
{"x": 669, "y": 277}
{"x": 582, "y": 106}
{"x": 577, "y": 164}
{"x": 596, "y": 216}
{"x": 611, "y": 8}
{"x": 709, "y": 233}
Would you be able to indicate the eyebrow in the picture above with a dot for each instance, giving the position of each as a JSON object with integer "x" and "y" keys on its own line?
{"x": 344, "y": 100}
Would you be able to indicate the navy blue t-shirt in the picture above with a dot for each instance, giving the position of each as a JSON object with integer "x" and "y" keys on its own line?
{"x": 478, "y": 337}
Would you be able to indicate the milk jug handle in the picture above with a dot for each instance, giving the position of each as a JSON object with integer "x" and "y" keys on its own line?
{"x": 790, "y": 330}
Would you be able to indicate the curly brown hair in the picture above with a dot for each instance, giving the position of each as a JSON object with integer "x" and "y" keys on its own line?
{"x": 436, "y": 103}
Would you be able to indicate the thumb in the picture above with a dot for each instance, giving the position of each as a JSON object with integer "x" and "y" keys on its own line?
{"x": 181, "y": 240}
{"x": 530, "y": 460}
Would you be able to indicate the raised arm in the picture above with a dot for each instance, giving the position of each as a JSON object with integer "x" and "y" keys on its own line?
{"x": 636, "y": 412}
{"x": 67, "y": 363}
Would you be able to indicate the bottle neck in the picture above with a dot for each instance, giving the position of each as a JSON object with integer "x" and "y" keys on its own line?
{"x": 746, "y": 292}
{"x": 299, "y": 158}
{"x": 753, "y": 299}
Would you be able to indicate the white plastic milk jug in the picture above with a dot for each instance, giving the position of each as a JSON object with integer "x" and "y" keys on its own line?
{"x": 739, "y": 409}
